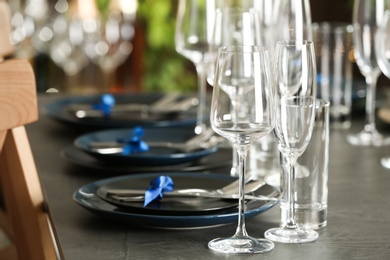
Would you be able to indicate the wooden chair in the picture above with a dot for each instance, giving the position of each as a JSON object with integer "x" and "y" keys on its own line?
{"x": 24, "y": 217}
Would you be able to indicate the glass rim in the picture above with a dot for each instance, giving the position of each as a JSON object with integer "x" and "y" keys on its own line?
{"x": 243, "y": 48}
{"x": 308, "y": 101}
{"x": 322, "y": 103}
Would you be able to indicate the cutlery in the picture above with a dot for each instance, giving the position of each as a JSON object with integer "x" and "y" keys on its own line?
{"x": 248, "y": 196}
{"x": 202, "y": 140}
{"x": 166, "y": 105}
{"x": 228, "y": 192}
{"x": 229, "y": 189}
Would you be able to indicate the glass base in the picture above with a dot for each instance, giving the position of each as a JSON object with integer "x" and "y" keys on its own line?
{"x": 286, "y": 235}
{"x": 385, "y": 162}
{"x": 368, "y": 138}
{"x": 241, "y": 245}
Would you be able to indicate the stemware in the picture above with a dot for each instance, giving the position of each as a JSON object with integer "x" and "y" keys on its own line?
{"x": 108, "y": 44}
{"x": 242, "y": 71}
{"x": 234, "y": 24}
{"x": 382, "y": 51}
{"x": 292, "y": 20}
{"x": 295, "y": 81}
{"x": 194, "y": 23}
{"x": 367, "y": 15}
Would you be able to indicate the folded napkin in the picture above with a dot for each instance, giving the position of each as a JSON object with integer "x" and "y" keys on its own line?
{"x": 158, "y": 186}
{"x": 134, "y": 144}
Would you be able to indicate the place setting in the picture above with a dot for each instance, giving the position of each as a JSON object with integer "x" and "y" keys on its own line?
{"x": 181, "y": 200}
{"x": 138, "y": 149}
{"x": 124, "y": 110}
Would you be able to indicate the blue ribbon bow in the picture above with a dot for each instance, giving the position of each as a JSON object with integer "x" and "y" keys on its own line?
{"x": 107, "y": 102}
{"x": 158, "y": 186}
{"x": 134, "y": 144}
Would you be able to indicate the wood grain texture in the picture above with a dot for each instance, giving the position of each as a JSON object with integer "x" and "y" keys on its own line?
{"x": 24, "y": 198}
{"x": 18, "y": 101}
{"x": 5, "y": 30}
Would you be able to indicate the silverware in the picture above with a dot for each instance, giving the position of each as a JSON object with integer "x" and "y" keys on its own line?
{"x": 166, "y": 105}
{"x": 202, "y": 140}
{"x": 228, "y": 192}
{"x": 229, "y": 189}
{"x": 200, "y": 195}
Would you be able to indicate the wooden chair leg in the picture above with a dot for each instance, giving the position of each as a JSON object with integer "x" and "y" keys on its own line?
{"x": 24, "y": 199}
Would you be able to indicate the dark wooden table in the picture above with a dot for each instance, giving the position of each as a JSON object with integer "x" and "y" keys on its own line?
{"x": 358, "y": 215}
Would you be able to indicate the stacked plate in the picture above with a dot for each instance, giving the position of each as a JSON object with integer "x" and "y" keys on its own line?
{"x": 165, "y": 118}
{"x": 177, "y": 214}
{"x": 102, "y": 150}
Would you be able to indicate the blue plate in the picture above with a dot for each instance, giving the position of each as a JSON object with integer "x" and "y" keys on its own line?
{"x": 87, "y": 197}
{"x": 153, "y": 157}
{"x": 58, "y": 111}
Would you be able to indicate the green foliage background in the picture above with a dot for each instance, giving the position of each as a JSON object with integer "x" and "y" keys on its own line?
{"x": 165, "y": 70}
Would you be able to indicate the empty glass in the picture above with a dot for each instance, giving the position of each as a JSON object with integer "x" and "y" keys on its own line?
{"x": 367, "y": 14}
{"x": 194, "y": 25}
{"x": 242, "y": 71}
{"x": 382, "y": 50}
{"x": 294, "y": 75}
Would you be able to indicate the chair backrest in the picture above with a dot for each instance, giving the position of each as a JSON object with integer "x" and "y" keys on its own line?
{"x": 20, "y": 185}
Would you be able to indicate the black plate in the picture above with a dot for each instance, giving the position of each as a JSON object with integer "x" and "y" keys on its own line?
{"x": 221, "y": 158}
{"x": 154, "y": 156}
{"x": 57, "y": 110}
{"x": 169, "y": 206}
{"x": 87, "y": 198}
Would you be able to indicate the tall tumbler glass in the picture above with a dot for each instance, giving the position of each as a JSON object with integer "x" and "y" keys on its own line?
{"x": 333, "y": 46}
{"x": 311, "y": 192}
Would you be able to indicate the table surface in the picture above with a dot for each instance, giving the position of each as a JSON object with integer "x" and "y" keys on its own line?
{"x": 358, "y": 210}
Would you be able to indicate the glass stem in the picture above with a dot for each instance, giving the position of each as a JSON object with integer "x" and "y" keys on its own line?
{"x": 290, "y": 192}
{"x": 370, "y": 103}
{"x": 202, "y": 75}
{"x": 242, "y": 151}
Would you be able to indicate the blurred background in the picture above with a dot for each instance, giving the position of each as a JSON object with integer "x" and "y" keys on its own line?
{"x": 91, "y": 46}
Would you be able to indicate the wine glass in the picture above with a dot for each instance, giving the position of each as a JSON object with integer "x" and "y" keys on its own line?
{"x": 292, "y": 20}
{"x": 234, "y": 24}
{"x": 194, "y": 23}
{"x": 382, "y": 52}
{"x": 109, "y": 44}
{"x": 294, "y": 75}
{"x": 242, "y": 71}
{"x": 367, "y": 14}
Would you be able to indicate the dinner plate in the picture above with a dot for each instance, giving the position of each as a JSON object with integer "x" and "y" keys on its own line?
{"x": 87, "y": 197}
{"x": 154, "y": 156}
{"x": 58, "y": 111}
{"x": 181, "y": 206}
{"x": 73, "y": 155}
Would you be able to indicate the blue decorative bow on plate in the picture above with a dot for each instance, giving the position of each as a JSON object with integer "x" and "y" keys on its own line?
{"x": 158, "y": 186}
{"x": 134, "y": 144}
{"x": 107, "y": 102}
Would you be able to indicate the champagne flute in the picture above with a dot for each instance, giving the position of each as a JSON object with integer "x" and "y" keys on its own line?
{"x": 194, "y": 23}
{"x": 367, "y": 14}
{"x": 295, "y": 80}
{"x": 242, "y": 71}
{"x": 382, "y": 51}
